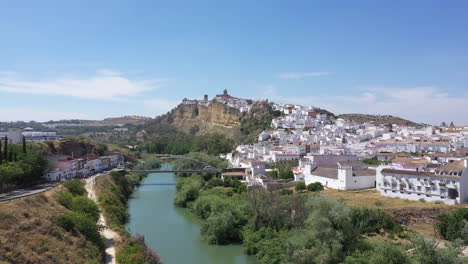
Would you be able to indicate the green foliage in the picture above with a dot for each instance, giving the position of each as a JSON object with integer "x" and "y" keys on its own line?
{"x": 84, "y": 224}
{"x": 114, "y": 199}
{"x": 315, "y": 187}
{"x": 286, "y": 174}
{"x": 371, "y": 161}
{"x": 20, "y": 169}
{"x": 180, "y": 143}
{"x": 266, "y": 244}
{"x": 327, "y": 236}
{"x": 366, "y": 220}
{"x": 188, "y": 190}
{"x": 75, "y": 186}
{"x": 85, "y": 205}
{"x": 453, "y": 226}
{"x": 428, "y": 253}
{"x": 381, "y": 253}
{"x": 222, "y": 227}
{"x": 65, "y": 198}
{"x": 300, "y": 186}
{"x": 135, "y": 251}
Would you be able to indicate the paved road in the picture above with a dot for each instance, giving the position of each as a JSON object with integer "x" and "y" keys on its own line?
{"x": 20, "y": 193}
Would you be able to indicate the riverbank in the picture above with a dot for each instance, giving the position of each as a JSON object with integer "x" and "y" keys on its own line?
{"x": 287, "y": 227}
{"x": 174, "y": 232}
{"x": 108, "y": 233}
{"x": 112, "y": 192}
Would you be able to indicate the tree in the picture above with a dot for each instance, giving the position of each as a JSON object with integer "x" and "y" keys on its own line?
{"x": 443, "y": 124}
{"x": 24, "y": 144}
{"x": 5, "y": 149}
{"x": 452, "y": 124}
{"x": 300, "y": 186}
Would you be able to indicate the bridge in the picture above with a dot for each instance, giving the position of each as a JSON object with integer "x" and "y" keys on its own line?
{"x": 177, "y": 171}
{"x": 207, "y": 169}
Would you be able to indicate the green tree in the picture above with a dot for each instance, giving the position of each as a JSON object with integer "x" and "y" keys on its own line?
{"x": 300, "y": 186}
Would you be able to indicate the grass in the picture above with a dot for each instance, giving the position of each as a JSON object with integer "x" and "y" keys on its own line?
{"x": 373, "y": 199}
{"x": 28, "y": 233}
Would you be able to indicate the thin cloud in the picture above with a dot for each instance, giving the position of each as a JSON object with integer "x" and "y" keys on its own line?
{"x": 103, "y": 85}
{"x": 301, "y": 75}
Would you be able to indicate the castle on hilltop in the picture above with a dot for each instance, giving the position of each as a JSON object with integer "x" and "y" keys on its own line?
{"x": 243, "y": 105}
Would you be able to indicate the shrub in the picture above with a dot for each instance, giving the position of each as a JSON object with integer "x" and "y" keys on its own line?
{"x": 65, "y": 198}
{"x": 300, "y": 186}
{"x": 84, "y": 224}
{"x": 136, "y": 252}
{"x": 86, "y": 206}
{"x": 366, "y": 220}
{"x": 453, "y": 226}
{"x": 379, "y": 203}
{"x": 314, "y": 187}
{"x": 75, "y": 186}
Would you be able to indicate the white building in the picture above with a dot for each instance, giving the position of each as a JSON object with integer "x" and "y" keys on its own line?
{"x": 347, "y": 175}
{"x": 448, "y": 184}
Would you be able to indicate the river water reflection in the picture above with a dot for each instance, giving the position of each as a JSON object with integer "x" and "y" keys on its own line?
{"x": 174, "y": 232}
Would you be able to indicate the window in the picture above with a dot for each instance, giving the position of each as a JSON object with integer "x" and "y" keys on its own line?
{"x": 427, "y": 195}
{"x": 419, "y": 188}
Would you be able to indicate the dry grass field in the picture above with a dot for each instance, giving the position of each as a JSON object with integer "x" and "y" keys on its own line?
{"x": 372, "y": 199}
{"x": 28, "y": 233}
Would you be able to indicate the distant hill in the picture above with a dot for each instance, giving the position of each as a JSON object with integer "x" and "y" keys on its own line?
{"x": 113, "y": 121}
{"x": 378, "y": 119}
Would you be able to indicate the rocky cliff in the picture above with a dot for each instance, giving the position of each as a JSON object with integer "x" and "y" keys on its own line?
{"x": 199, "y": 119}
{"x": 215, "y": 118}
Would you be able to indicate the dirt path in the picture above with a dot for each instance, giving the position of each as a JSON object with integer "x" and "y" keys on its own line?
{"x": 107, "y": 233}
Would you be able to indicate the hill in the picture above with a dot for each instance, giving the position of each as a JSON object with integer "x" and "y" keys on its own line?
{"x": 213, "y": 118}
{"x": 29, "y": 233}
{"x": 378, "y": 119}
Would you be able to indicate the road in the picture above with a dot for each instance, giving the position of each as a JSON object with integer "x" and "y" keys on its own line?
{"x": 20, "y": 193}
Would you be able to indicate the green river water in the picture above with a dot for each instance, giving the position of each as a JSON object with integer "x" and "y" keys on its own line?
{"x": 174, "y": 232}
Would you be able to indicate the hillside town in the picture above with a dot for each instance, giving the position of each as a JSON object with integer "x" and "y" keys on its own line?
{"x": 419, "y": 163}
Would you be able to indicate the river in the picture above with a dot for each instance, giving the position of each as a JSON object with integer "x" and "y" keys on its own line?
{"x": 174, "y": 232}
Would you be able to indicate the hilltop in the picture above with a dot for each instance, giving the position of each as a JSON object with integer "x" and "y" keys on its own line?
{"x": 238, "y": 119}
{"x": 378, "y": 119}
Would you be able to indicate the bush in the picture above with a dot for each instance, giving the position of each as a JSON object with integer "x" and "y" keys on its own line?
{"x": 84, "y": 224}
{"x": 75, "y": 186}
{"x": 82, "y": 204}
{"x": 428, "y": 253}
{"x": 366, "y": 220}
{"x": 188, "y": 190}
{"x": 453, "y": 226}
{"x": 300, "y": 186}
{"x": 136, "y": 252}
{"x": 222, "y": 228}
{"x": 379, "y": 203}
{"x": 314, "y": 187}
{"x": 65, "y": 198}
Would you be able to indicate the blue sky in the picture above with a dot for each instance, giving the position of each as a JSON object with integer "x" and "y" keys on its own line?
{"x": 97, "y": 59}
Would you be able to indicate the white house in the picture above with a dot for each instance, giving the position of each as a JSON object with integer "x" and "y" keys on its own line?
{"x": 346, "y": 175}
{"x": 449, "y": 183}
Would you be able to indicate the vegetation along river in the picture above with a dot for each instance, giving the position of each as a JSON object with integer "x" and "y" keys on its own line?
{"x": 174, "y": 232}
